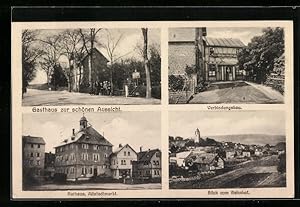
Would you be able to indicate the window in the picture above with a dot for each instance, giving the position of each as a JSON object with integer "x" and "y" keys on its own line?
{"x": 157, "y": 154}
{"x": 98, "y": 147}
{"x": 39, "y": 146}
{"x": 85, "y": 146}
{"x": 128, "y": 153}
{"x": 31, "y": 145}
{"x": 212, "y": 71}
{"x": 31, "y": 154}
{"x": 84, "y": 156}
{"x": 72, "y": 156}
{"x": 95, "y": 147}
{"x": 91, "y": 170}
{"x": 38, "y": 154}
{"x": 157, "y": 172}
{"x": 123, "y": 162}
{"x": 105, "y": 155}
{"x": 38, "y": 162}
{"x": 124, "y": 153}
{"x": 72, "y": 170}
{"x": 83, "y": 170}
{"x": 96, "y": 157}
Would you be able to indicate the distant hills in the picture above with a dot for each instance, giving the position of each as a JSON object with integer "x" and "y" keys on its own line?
{"x": 260, "y": 139}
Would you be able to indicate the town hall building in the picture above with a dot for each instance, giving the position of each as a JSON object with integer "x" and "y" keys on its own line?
{"x": 84, "y": 155}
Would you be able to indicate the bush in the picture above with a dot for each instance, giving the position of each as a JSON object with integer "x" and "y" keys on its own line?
{"x": 156, "y": 92}
{"x": 60, "y": 178}
{"x": 176, "y": 83}
{"x": 282, "y": 163}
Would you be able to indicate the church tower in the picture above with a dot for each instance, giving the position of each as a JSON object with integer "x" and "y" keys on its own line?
{"x": 197, "y": 135}
{"x": 83, "y": 123}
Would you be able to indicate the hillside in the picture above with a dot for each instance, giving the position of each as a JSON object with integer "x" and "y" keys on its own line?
{"x": 261, "y": 139}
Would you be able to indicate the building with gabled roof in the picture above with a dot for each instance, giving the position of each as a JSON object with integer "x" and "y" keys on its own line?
{"x": 148, "y": 164}
{"x": 202, "y": 162}
{"x": 121, "y": 161}
{"x": 214, "y": 59}
{"x": 86, "y": 153}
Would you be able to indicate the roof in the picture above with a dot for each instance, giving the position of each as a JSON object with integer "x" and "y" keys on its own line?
{"x": 33, "y": 140}
{"x": 98, "y": 52}
{"x": 146, "y": 155}
{"x": 202, "y": 158}
{"x": 120, "y": 148}
{"x": 183, "y": 155}
{"x": 80, "y": 137}
{"x": 223, "y": 42}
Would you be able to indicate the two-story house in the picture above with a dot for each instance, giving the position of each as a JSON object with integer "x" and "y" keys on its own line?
{"x": 84, "y": 155}
{"x": 121, "y": 161}
{"x": 148, "y": 164}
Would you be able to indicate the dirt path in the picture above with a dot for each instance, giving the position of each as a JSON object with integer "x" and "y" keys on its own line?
{"x": 35, "y": 97}
{"x": 237, "y": 92}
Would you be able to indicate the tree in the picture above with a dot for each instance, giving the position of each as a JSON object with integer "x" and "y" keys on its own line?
{"x": 146, "y": 62}
{"x": 29, "y": 57}
{"x": 58, "y": 77}
{"x": 72, "y": 48}
{"x": 88, "y": 37}
{"x": 259, "y": 56}
{"x": 52, "y": 51}
{"x": 110, "y": 47}
{"x": 155, "y": 65}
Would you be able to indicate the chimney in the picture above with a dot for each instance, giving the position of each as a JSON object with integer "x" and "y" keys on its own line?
{"x": 73, "y": 132}
{"x": 120, "y": 145}
{"x": 141, "y": 148}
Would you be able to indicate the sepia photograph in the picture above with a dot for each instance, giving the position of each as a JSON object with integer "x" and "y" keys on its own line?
{"x": 213, "y": 150}
{"x": 217, "y": 65}
{"x": 91, "y": 151}
{"x": 91, "y": 66}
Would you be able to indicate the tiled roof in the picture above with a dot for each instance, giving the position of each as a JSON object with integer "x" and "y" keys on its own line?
{"x": 146, "y": 155}
{"x": 95, "y": 137}
{"x": 223, "y": 42}
{"x": 33, "y": 140}
{"x": 120, "y": 148}
{"x": 99, "y": 53}
{"x": 203, "y": 158}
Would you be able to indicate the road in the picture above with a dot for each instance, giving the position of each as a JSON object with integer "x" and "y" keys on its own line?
{"x": 238, "y": 92}
{"x": 35, "y": 97}
{"x": 97, "y": 186}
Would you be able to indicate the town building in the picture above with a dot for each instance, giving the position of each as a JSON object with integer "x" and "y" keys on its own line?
{"x": 49, "y": 168}
{"x": 202, "y": 162}
{"x": 220, "y": 59}
{"x": 86, "y": 153}
{"x": 186, "y": 49}
{"x": 33, "y": 155}
{"x": 180, "y": 158}
{"x": 121, "y": 161}
{"x": 87, "y": 71}
{"x": 148, "y": 164}
{"x": 94, "y": 69}
{"x": 213, "y": 59}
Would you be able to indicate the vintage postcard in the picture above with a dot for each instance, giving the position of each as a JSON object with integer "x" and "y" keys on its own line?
{"x": 165, "y": 109}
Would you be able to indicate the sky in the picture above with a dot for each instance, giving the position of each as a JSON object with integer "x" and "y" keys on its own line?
{"x": 245, "y": 34}
{"x": 133, "y": 128}
{"x": 211, "y": 123}
{"x": 127, "y": 47}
